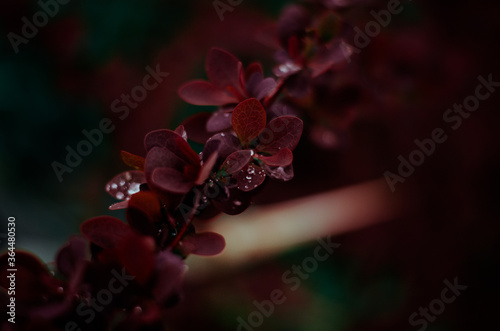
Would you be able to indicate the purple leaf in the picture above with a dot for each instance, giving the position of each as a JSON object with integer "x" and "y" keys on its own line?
{"x": 212, "y": 146}
{"x": 161, "y": 138}
{"x": 250, "y": 177}
{"x": 280, "y": 108}
{"x": 281, "y": 132}
{"x": 162, "y": 158}
{"x": 336, "y": 53}
{"x": 202, "y": 93}
{"x": 252, "y": 82}
{"x": 236, "y": 202}
{"x": 224, "y": 69}
{"x": 219, "y": 121}
{"x": 283, "y": 158}
{"x": 71, "y": 256}
{"x": 171, "y": 180}
{"x": 293, "y": 22}
{"x": 123, "y": 185}
{"x": 169, "y": 271}
{"x": 105, "y": 231}
{"x": 264, "y": 88}
{"x": 252, "y": 68}
{"x": 172, "y": 141}
{"x": 205, "y": 243}
{"x": 237, "y": 161}
{"x": 228, "y": 144}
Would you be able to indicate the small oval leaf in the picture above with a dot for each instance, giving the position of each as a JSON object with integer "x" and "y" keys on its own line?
{"x": 249, "y": 119}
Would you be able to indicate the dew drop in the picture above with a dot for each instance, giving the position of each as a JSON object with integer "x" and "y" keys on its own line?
{"x": 134, "y": 188}
{"x": 114, "y": 186}
{"x": 237, "y": 203}
{"x": 120, "y": 195}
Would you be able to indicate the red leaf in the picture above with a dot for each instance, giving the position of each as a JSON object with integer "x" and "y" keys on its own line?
{"x": 119, "y": 205}
{"x": 205, "y": 243}
{"x": 206, "y": 169}
{"x": 133, "y": 161}
{"x": 181, "y": 132}
{"x": 202, "y": 93}
{"x": 143, "y": 212}
{"x": 105, "y": 231}
{"x": 236, "y": 161}
{"x": 224, "y": 69}
{"x": 283, "y": 158}
{"x": 249, "y": 119}
{"x": 281, "y": 132}
{"x": 171, "y": 180}
{"x": 137, "y": 255}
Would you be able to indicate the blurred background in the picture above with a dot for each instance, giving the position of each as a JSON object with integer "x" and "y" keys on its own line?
{"x": 65, "y": 78}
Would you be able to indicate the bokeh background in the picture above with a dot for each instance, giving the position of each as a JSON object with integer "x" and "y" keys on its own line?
{"x": 65, "y": 79}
